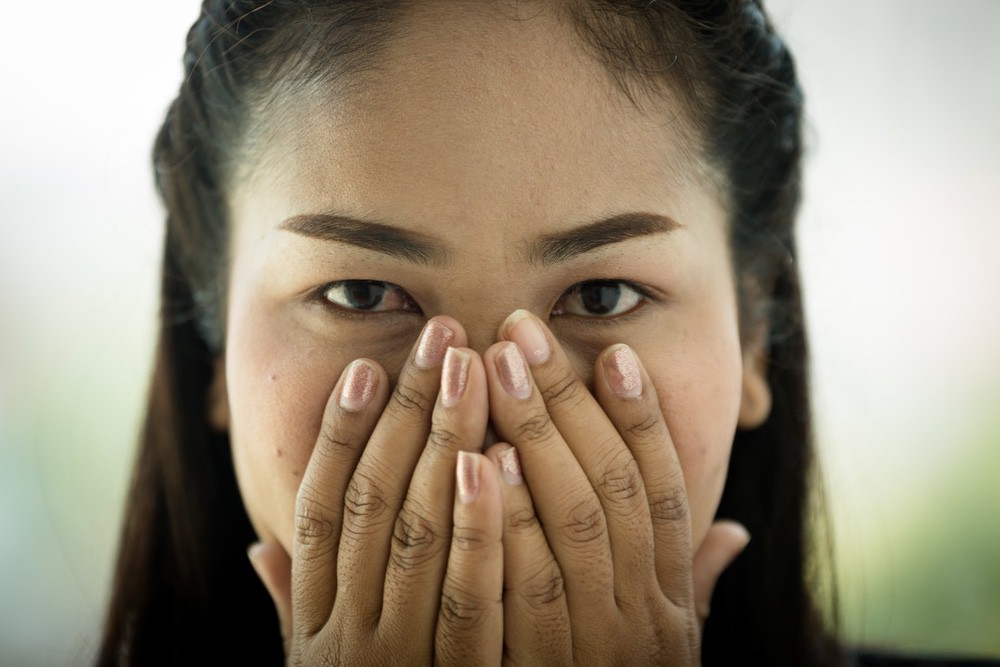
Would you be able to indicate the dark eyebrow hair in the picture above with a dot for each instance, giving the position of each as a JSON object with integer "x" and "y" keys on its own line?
{"x": 365, "y": 234}
{"x": 562, "y": 246}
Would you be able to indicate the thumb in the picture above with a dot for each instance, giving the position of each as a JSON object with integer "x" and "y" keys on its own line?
{"x": 274, "y": 568}
{"x": 724, "y": 541}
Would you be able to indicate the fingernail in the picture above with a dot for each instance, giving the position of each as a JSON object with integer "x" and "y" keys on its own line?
{"x": 525, "y": 330}
{"x": 360, "y": 380}
{"x": 510, "y": 466}
{"x": 454, "y": 376}
{"x": 434, "y": 342}
{"x": 254, "y": 551}
{"x": 623, "y": 372}
{"x": 513, "y": 371}
{"x": 467, "y": 477}
{"x": 742, "y": 531}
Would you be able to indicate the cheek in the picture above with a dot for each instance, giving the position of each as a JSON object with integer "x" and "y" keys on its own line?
{"x": 280, "y": 373}
{"x": 278, "y": 389}
{"x": 698, "y": 383}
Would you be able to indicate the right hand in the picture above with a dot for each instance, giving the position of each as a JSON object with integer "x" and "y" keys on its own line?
{"x": 390, "y": 563}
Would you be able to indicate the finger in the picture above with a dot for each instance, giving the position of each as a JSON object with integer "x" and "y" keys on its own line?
{"x": 724, "y": 541}
{"x": 536, "y": 617}
{"x": 629, "y": 399}
{"x": 599, "y": 448}
{"x": 274, "y": 568}
{"x": 376, "y": 489}
{"x": 423, "y": 533}
{"x": 570, "y": 512}
{"x": 470, "y": 621}
{"x": 347, "y": 423}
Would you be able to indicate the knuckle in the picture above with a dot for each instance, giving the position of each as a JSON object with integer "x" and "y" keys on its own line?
{"x": 467, "y": 538}
{"x": 463, "y": 613}
{"x": 443, "y": 438}
{"x": 648, "y": 427}
{"x": 364, "y": 500}
{"x": 535, "y": 427}
{"x": 314, "y": 529}
{"x": 621, "y": 483}
{"x": 565, "y": 391}
{"x": 332, "y": 440}
{"x": 414, "y": 541}
{"x": 585, "y": 524}
{"x": 522, "y": 520}
{"x": 409, "y": 400}
{"x": 669, "y": 506}
{"x": 545, "y": 587}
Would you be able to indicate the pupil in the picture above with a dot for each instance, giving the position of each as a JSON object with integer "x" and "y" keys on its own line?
{"x": 364, "y": 294}
{"x": 600, "y": 297}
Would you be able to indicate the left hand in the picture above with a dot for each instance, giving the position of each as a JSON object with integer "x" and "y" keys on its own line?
{"x": 598, "y": 562}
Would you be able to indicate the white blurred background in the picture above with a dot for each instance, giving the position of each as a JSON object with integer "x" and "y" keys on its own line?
{"x": 899, "y": 235}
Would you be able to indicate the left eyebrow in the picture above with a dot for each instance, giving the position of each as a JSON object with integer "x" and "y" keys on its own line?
{"x": 370, "y": 235}
{"x": 563, "y": 246}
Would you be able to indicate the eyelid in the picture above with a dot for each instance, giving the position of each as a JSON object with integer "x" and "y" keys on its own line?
{"x": 644, "y": 291}
{"x": 319, "y": 297}
{"x": 646, "y": 294}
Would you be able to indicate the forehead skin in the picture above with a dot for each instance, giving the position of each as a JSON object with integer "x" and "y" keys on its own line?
{"x": 509, "y": 97}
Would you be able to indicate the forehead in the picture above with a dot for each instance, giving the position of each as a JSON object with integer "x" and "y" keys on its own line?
{"x": 470, "y": 113}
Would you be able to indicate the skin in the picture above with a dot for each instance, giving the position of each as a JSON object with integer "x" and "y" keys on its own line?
{"x": 482, "y": 138}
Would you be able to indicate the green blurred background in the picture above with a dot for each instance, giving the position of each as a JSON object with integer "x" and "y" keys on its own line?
{"x": 899, "y": 252}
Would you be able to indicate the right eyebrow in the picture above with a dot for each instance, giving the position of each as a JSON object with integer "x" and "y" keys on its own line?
{"x": 566, "y": 245}
{"x": 377, "y": 236}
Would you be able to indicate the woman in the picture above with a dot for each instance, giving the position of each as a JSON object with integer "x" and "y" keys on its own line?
{"x": 481, "y": 322}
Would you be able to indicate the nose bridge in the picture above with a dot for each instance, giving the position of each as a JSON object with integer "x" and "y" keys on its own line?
{"x": 482, "y": 324}
{"x": 481, "y": 318}
{"x": 481, "y": 289}
{"x": 482, "y": 307}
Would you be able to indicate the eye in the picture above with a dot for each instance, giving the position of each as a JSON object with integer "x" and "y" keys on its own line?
{"x": 369, "y": 296}
{"x": 599, "y": 298}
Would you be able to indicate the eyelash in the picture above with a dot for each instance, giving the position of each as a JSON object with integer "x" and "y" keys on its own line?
{"x": 640, "y": 296}
{"x": 409, "y": 305}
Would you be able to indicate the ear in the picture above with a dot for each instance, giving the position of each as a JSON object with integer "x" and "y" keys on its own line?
{"x": 217, "y": 407}
{"x": 755, "y": 404}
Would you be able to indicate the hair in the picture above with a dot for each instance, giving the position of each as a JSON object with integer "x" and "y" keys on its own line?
{"x": 183, "y": 589}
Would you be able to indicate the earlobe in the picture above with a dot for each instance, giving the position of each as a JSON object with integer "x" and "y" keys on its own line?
{"x": 755, "y": 404}
{"x": 217, "y": 407}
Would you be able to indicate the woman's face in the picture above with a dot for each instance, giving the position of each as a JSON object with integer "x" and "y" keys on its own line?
{"x": 479, "y": 140}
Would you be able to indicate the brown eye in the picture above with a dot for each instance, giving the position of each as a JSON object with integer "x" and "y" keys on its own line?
{"x": 599, "y": 298}
{"x": 369, "y": 296}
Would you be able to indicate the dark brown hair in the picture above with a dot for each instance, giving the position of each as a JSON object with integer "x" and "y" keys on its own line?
{"x": 183, "y": 589}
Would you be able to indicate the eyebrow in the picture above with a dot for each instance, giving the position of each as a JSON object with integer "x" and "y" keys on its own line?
{"x": 562, "y": 246}
{"x": 415, "y": 248}
{"x": 366, "y": 234}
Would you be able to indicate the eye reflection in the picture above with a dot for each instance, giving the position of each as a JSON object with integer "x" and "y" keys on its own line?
{"x": 369, "y": 296}
{"x": 599, "y": 298}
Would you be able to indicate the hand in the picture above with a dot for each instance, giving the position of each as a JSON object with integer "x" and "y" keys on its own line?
{"x": 598, "y": 564}
{"x": 390, "y": 564}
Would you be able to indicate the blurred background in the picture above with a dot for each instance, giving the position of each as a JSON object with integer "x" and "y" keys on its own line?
{"x": 899, "y": 242}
